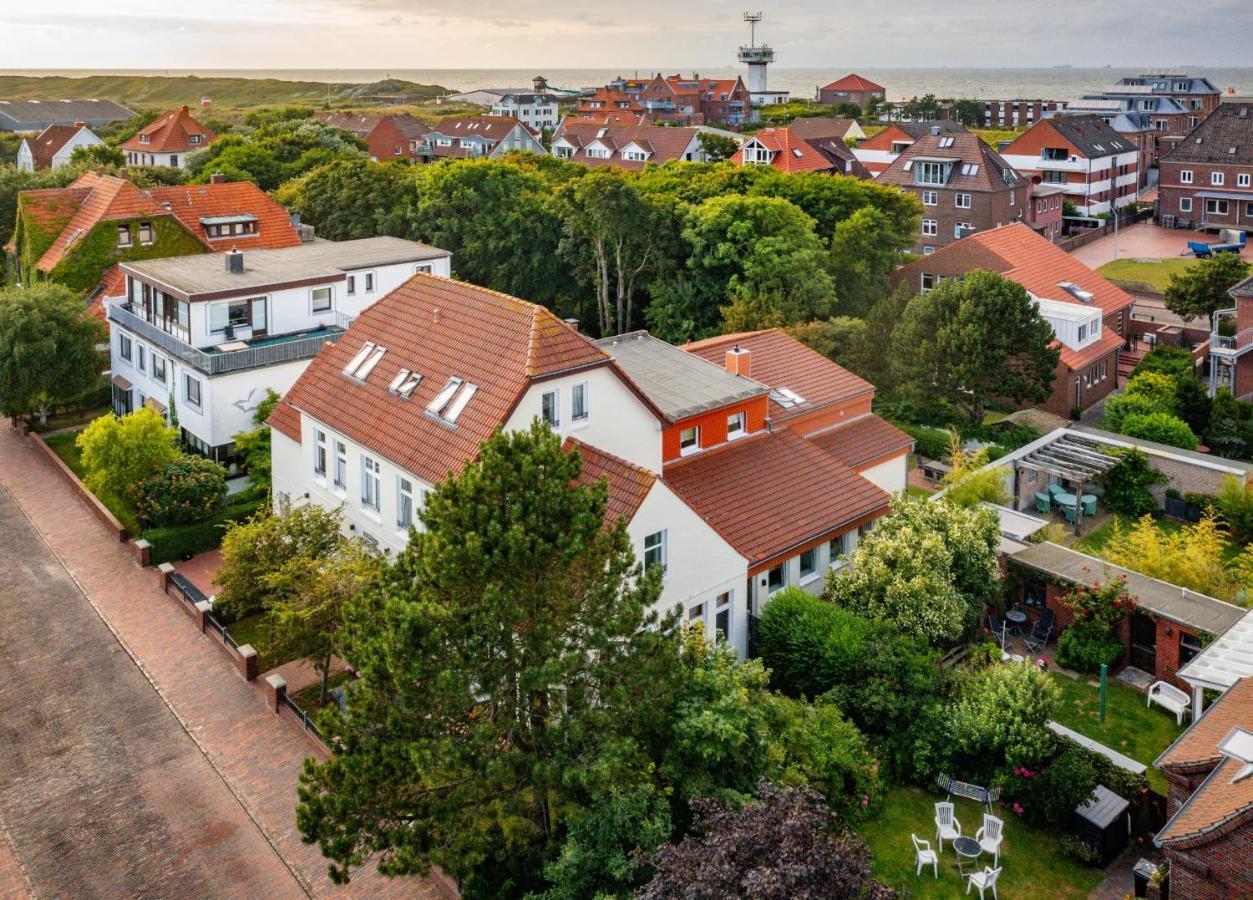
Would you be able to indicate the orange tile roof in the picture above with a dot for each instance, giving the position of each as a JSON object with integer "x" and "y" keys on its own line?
{"x": 1038, "y": 265}
{"x": 628, "y": 483}
{"x": 1219, "y": 804}
{"x": 791, "y": 153}
{"x": 49, "y": 143}
{"x": 1074, "y": 360}
{"x": 440, "y": 328}
{"x": 193, "y": 202}
{"x": 964, "y": 149}
{"x": 812, "y": 128}
{"x": 773, "y": 492}
{"x": 286, "y": 419}
{"x": 111, "y": 199}
{"x": 780, "y": 361}
{"x": 863, "y": 441}
{"x": 171, "y": 133}
{"x": 112, "y": 284}
{"x": 853, "y": 82}
{"x": 665, "y": 143}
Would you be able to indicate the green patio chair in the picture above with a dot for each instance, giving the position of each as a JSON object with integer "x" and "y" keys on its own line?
{"x": 1043, "y": 502}
{"x": 1088, "y": 504}
{"x": 1070, "y": 513}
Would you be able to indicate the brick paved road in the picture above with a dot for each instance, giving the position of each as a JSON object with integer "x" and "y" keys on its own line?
{"x": 102, "y": 791}
{"x": 257, "y": 754}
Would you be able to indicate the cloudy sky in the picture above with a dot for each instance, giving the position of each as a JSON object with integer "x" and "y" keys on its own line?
{"x": 424, "y": 34}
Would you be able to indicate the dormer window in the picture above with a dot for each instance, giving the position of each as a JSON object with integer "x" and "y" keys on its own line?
{"x": 689, "y": 440}
{"x": 143, "y": 138}
{"x": 124, "y": 236}
{"x": 194, "y": 138}
{"x": 931, "y": 172}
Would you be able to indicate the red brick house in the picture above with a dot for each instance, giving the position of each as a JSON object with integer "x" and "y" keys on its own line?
{"x": 386, "y": 137}
{"x": 851, "y": 89}
{"x": 1230, "y": 365}
{"x": 783, "y": 149}
{"x": 677, "y": 100}
{"x": 1044, "y": 212}
{"x": 964, "y": 185}
{"x": 1096, "y": 166}
{"x": 624, "y": 146}
{"x": 1207, "y": 180}
{"x": 1088, "y": 368}
{"x": 1208, "y": 839}
{"x": 878, "y": 152}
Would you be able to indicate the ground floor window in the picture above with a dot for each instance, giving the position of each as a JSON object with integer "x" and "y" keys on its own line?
{"x": 774, "y": 579}
{"x": 1189, "y": 646}
{"x": 722, "y": 616}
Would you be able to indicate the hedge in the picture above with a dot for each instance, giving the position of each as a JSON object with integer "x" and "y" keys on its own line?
{"x": 181, "y": 541}
{"x": 933, "y": 443}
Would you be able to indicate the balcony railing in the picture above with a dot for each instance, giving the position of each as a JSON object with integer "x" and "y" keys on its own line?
{"x": 267, "y": 351}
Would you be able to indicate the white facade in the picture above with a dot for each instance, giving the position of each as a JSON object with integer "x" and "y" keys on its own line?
{"x": 1074, "y": 325}
{"x": 536, "y": 110}
{"x": 82, "y": 138}
{"x": 1096, "y": 176}
{"x": 892, "y": 476}
{"x": 172, "y": 160}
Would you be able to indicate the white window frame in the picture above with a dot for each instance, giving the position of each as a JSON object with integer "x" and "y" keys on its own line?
{"x": 686, "y": 446}
{"x": 722, "y": 606}
{"x": 579, "y": 393}
{"x": 550, "y": 412}
{"x": 125, "y": 347}
{"x": 371, "y": 483}
{"x": 405, "y": 509}
{"x": 141, "y": 358}
{"x": 319, "y": 453}
{"x": 350, "y": 286}
{"x": 737, "y": 426}
{"x": 657, "y": 541}
{"x": 188, "y": 381}
{"x": 1185, "y": 204}
{"x": 959, "y": 227}
{"x": 781, "y": 568}
{"x": 158, "y": 361}
{"x": 340, "y": 475}
{"x": 969, "y": 201}
{"x": 1215, "y": 206}
{"x": 930, "y": 227}
{"x": 330, "y": 299}
{"x": 927, "y": 282}
{"x": 930, "y": 198}
{"x": 807, "y": 577}
{"x": 1185, "y": 176}
{"x": 1243, "y": 179}
{"x": 1217, "y": 179}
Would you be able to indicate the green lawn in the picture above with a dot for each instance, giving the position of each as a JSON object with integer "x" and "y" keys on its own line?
{"x": 308, "y": 698}
{"x": 63, "y": 446}
{"x": 1032, "y": 860}
{"x": 993, "y": 136}
{"x": 1154, "y": 274}
{"x": 69, "y": 419}
{"x": 1131, "y": 727}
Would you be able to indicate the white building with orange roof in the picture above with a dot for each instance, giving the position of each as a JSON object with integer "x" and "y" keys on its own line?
{"x": 168, "y": 140}
{"x": 782, "y": 149}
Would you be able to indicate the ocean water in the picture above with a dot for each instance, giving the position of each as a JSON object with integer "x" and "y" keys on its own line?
{"x": 1043, "y": 84}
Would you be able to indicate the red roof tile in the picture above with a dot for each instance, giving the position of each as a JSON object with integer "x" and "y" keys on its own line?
{"x": 112, "y": 199}
{"x": 965, "y": 149}
{"x": 863, "y": 441}
{"x": 193, "y": 202}
{"x": 1074, "y": 360}
{"x": 49, "y": 143}
{"x": 853, "y": 82}
{"x": 664, "y": 143}
{"x": 171, "y": 133}
{"x": 286, "y": 419}
{"x": 790, "y": 153}
{"x": 441, "y": 329}
{"x": 628, "y": 483}
{"x": 771, "y": 493}
{"x": 780, "y": 361}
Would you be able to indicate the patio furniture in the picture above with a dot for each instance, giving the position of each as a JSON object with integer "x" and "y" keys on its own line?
{"x": 1041, "y": 631}
{"x": 968, "y": 850}
{"x": 951, "y": 786}
{"x": 989, "y": 837}
{"x": 1055, "y": 489}
{"x": 1064, "y": 498}
{"x": 1017, "y": 617}
{"x": 999, "y": 629}
{"x": 925, "y": 856}
{"x": 1069, "y": 513}
{"x": 1088, "y": 504}
{"x": 946, "y": 825}
{"x": 983, "y": 881}
{"x": 1171, "y": 697}
{"x": 1043, "y": 502}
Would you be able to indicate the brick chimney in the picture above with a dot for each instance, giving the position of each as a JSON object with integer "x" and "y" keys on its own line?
{"x": 739, "y": 361}
{"x": 217, "y": 178}
{"x": 79, "y": 124}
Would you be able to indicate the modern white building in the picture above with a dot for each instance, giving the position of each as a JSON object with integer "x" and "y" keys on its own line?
{"x": 54, "y": 146}
{"x": 535, "y": 110}
{"x": 200, "y": 338}
{"x": 758, "y": 58}
{"x": 693, "y": 449}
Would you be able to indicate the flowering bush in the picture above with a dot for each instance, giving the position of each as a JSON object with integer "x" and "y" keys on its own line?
{"x": 999, "y": 720}
{"x": 188, "y": 489}
{"x": 1091, "y": 637}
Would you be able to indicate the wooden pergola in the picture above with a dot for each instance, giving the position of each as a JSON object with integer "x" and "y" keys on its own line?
{"x": 1074, "y": 458}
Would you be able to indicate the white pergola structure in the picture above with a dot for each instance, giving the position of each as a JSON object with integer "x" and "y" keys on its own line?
{"x": 1227, "y": 659}
{"x": 1073, "y": 457}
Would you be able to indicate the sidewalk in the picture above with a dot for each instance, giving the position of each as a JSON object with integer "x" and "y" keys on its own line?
{"x": 258, "y": 754}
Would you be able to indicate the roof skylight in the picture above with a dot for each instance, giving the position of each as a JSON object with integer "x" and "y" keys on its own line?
{"x": 459, "y": 405}
{"x": 353, "y": 364}
{"x": 786, "y": 397}
{"x": 363, "y": 371}
{"x": 436, "y": 406}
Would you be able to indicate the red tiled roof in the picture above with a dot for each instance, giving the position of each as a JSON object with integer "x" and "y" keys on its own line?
{"x": 628, "y": 483}
{"x": 112, "y": 284}
{"x": 780, "y": 361}
{"x": 853, "y": 83}
{"x": 439, "y": 328}
{"x": 49, "y": 208}
{"x": 773, "y": 492}
{"x": 1074, "y": 360}
{"x": 965, "y": 149}
{"x": 664, "y": 143}
{"x": 193, "y": 202}
{"x": 812, "y": 128}
{"x": 286, "y": 419}
{"x": 171, "y": 133}
{"x": 494, "y": 128}
{"x": 49, "y": 143}
{"x": 863, "y": 441}
{"x": 111, "y": 199}
{"x": 790, "y": 153}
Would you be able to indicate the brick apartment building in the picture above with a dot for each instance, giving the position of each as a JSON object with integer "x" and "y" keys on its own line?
{"x": 1230, "y": 364}
{"x": 1014, "y": 113}
{"x": 1088, "y": 367}
{"x": 964, "y": 185}
{"x": 677, "y": 100}
{"x": 1134, "y": 126}
{"x": 1044, "y": 212}
{"x": 386, "y": 137}
{"x": 1207, "y": 180}
{"x": 1196, "y": 94}
{"x": 1097, "y": 167}
{"x": 878, "y": 152}
{"x": 851, "y": 89}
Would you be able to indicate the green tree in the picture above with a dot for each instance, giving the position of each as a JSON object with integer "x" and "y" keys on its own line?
{"x": 274, "y": 152}
{"x": 968, "y": 112}
{"x": 927, "y": 568}
{"x": 188, "y": 489}
{"x": 98, "y": 155}
{"x": 119, "y": 455}
{"x": 47, "y": 349}
{"x": 503, "y": 654}
{"x": 1227, "y": 431}
{"x": 717, "y": 147}
{"x": 1201, "y": 290}
{"x": 1127, "y": 484}
{"x": 255, "y": 447}
{"x": 999, "y": 720}
{"x": 349, "y": 198}
{"x": 848, "y": 110}
{"x": 862, "y": 257}
{"x": 256, "y": 553}
{"x": 974, "y": 339}
{"x": 1160, "y": 427}
{"x": 1145, "y": 394}
{"x": 925, "y": 108}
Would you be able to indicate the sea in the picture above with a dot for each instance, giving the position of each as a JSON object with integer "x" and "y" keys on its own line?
{"x": 1059, "y": 83}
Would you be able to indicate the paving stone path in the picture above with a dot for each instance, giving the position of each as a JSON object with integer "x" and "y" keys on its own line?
{"x": 135, "y": 761}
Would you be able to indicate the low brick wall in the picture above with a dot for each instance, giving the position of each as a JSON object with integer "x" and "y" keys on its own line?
{"x": 243, "y": 656}
{"x": 101, "y": 511}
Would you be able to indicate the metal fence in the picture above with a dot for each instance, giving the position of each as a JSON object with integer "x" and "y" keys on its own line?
{"x": 305, "y": 719}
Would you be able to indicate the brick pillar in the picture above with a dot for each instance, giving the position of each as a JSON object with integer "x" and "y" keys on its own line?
{"x": 246, "y": 658}
{"x": 275, "y": 691}
{"x": 143, "y": 552}
{"x": 165, "y": 572}
{"x": 200, "y": 613}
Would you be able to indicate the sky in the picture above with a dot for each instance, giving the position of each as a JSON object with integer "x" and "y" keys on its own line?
{"x": 436, "y": 34}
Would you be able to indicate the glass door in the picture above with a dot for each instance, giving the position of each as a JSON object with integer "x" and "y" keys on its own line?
{"x": 258, "y": 318}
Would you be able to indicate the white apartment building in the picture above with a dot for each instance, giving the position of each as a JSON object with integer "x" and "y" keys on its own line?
{"x": 200, "y": 338}
{"x": 538, "y": 111}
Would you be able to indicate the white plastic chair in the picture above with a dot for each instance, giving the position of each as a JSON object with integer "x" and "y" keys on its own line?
{"x": 989, "y": 837}
{"x": 946, "y": 825}
{"x": 984, "y": 880}
{"x": 925, "y": 856}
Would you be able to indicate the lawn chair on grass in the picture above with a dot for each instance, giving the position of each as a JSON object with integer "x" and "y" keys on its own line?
{"x": 925, "y": 856}
{"x": 1041, "y": 631}
{"x": 947, "y": 827}
{"x": 989, "y": 837}
{"x": 983, "y": 881}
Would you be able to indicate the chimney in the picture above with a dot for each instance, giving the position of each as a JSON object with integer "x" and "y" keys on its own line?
{"x": 435, "y": 316}
{"x": 235, "y": 261}
{"x": 739, "y": 361}
{"x": 185, "y": 109}
{"x": 79, "y": 124}
{"x": 217, "y": 178}
{"x": 572, "y": 322}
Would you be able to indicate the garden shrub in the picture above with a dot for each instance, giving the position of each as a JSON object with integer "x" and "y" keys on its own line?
{"x": 1090, "y": 639}
{"x": 1127, "y": 484}
{"x": 1160, "y": 427}
{"x": 808, "y": 644}
{"x": 1049, "y": 795}
{"x": 176, "y": 542}
{"x": 186, "y": 490}
{"x": 1084, "y": 651}
{"x": 998, "y": 721}
{"x": 933, "y": 443}
{"x": 1235, "y": 503}
{"x": 1078, "y": 850}
{"x": 119, "y": 454}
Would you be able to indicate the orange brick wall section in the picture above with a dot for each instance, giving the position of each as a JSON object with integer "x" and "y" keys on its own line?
{"x": 809, "y": 423}
{"x": 1036, "y": 138}
{"x": 713, "y": 426}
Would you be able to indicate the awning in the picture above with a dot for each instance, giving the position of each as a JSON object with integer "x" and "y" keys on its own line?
{"x": 121, "y": 383}
{"x": 1225, "y": 195}
{"x": 155, "y": 405}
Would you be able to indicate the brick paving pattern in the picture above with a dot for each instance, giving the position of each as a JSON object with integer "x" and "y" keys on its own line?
{"x": 257, "y": 754}
{"x": 1145, "y": 240}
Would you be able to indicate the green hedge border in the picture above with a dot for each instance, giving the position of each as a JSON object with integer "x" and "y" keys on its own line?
{"x": 177, "y": 542}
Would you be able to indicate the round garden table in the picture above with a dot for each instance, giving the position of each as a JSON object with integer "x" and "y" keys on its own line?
{"x": 967, "y": 849}
{"x": 1017, "y": 617}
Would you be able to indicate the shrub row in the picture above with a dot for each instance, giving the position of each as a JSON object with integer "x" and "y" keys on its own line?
{"x": 181, "y": 541}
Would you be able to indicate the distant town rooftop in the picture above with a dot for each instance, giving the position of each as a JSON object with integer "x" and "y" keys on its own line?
{"x": 205, "y": 276}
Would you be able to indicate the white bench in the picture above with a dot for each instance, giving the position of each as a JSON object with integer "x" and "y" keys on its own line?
{"x": 1171, "y": 697}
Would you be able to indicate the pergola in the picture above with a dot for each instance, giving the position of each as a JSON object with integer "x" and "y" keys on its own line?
{"x": 1075, "y": 458}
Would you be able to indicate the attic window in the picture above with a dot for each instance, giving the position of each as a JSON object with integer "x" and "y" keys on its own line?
{"x": 786, "y": 397}
{"x": 946, "y": 142}
{"x": 459, "y": 405}
{"x": 1075, "y": 291}
{"x": 364, "y": 370}
{"x": 909, "y": 164}
{"x": 797, "y": 153}
{"x": 436, "y": 406}
{"x": 970, "y": 168}
{"x": 361, "y": 365}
